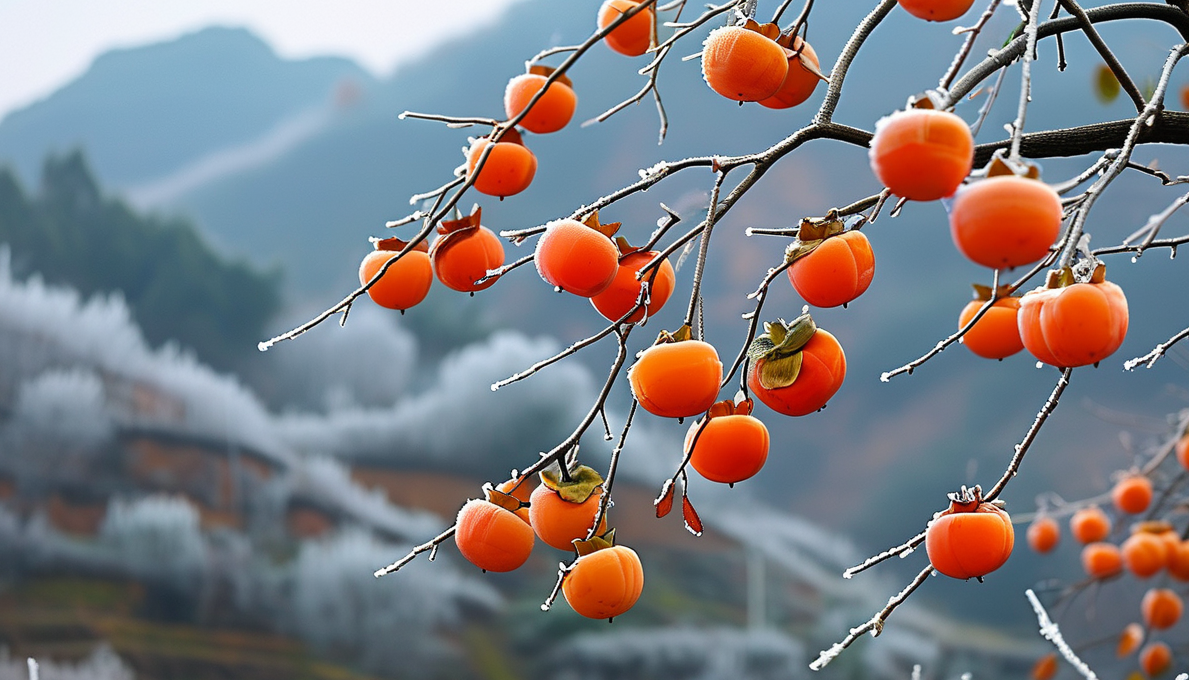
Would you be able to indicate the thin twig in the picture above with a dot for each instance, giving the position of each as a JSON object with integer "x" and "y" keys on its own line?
{"x": 1017, "y": 130}
{"x": 972, "y": 34}
{"x": 1022, "y": 448}
{"x": 609, "y": 479}
{"x": 429, "y": 545}
{"x": 902, "y": 550}
{"x": 1051, "y": 632}
{"x": 1109, "y": 57}
{"x": 1151, "y": 357}
{"x": 703, "y": 249}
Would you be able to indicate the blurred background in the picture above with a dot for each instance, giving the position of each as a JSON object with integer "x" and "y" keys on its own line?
{"x": 179, "y": 183}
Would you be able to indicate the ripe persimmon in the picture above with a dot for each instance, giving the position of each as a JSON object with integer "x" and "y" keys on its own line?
{"x": 744, "y": 63}
{"x": 1101, "y": 560}
{"x": 552, "y": 111}
{"x": 634, "y": 36}
{"x": 509, "y": 168}
{"x": 996, "y": 335}
{"x": 1045, "y": 667}
{"x": 677, "y": 378}
{"x": 522, "y": 490}
{"x": 970, "y": 539}
{"x": 796, "y": 368}
{"x": 729, "y": 447}
{"x": 1181, "y": 448}
{"x": 1155, "y": 658}
{"x": 1090, "y": 525}
{"x": 1132, "y": 494}
{"x": 1144, "y": 554}
{"x": 1005, "y": 220}
{"x": 1178, "y": 561}
{"x": 492, "y": 537}
{"x": 836, "y": 271}
{"x": 464, "y": 251}
{"x": 1161, "y": 608}
{"x": 558, "y": 521}
{"x": 620, "y": 297}
{"x": 578, "y": 257}
{"x": 1073, "y": 324}
{"x": 801, "y": 79}
{"x": 406, "y": 282}
{"x": 922, "y": 154}
{"x": 605, "y": 583}
{"x": 1129, "y": 640}
{"x": 936, "y": 10}
{"x": 1043, "y": 534}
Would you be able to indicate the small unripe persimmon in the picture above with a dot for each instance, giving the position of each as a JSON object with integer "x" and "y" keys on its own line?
{"x": 1090, "y": 525}
{"x": 509, "y": 168}
{"x": 743, "y": 64}
{"x": 1043, "y": 534}
{"x": 1102, "y": 560}
{"x": 1132, "y": 494}
{"x": 1161, "y": 608}
{"x": 406, "y": 282}
{"x": 634, "y": 36}
{"x": 552, "y": 111}
{"x": 922, "y": 154}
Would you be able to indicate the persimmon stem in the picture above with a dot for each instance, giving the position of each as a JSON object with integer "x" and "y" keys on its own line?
{"x": 875, "y": 624}
{"x": 753, "y": 318}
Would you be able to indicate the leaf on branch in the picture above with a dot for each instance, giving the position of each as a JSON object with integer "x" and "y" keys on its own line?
{"x": 692, "y": 521}
{"x": 1106, "y": 85}
{"x": 664, "y": 503}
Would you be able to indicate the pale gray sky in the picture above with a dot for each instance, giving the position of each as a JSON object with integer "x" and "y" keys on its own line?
{"x": 46, "y": 43}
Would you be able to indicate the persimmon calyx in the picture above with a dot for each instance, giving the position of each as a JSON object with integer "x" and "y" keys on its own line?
{"x": 595, "y": 544}
{"x": 465, "y": 223}
{"x": 1152, "y": 526}
{"x": 504, "y": 500}
{"x": 680, "y": 335}
{"x": 542, "y": 70}
{"x": 811, "y": 233}
{"x": 780, "y": 349}
{"x": 729, "y": 407}
{"x": 608, "y": 230}
{"x": 966, "y": 499}
{"x": 580, "y": 486}
{"x": 624, "y": 247}
{"x": 396, "y": 245}
{"x": 508, "y": 135}
{"x": 1001, "y": 165}
{"x": 984, "y": 293}
{"x": 769, "y": 31}
{"x": 1067, "y": 276}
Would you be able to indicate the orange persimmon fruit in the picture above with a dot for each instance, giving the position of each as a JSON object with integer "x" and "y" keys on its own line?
{"x": 800, "y": 81}
{"x": 1005, "y": 220}
{"x": 1043, "y": 534}
{"x": 1155, "y": 658}
{"x": 936, "y": 10}
{"x": 552, "y": 111}
{"x": 1090, "y": 525}
{"x": 922, "y": 154}
{"x": 970, "y": 539}
{"x": 522, "y": 490}
{"x": 1161, "y": 608}
{"x": 1129, "y": 640}
{"x": 1181, "y": 448}
{"x": 1075, "y": 324}
{"x": 836, "y": 272}
{"x": 492, "y": 537}
{"x": 819, "y": 372}
{"x": 578, "y": 257}
{"x": 1144, "y": 554}
{"x": 558, "y": 521}
{"x": 742, "y": 63}
{"x": 634, "y": 36}
{"x": 509, "y": 168}
{"x": 464, "y": 252}
{"x": 677, "y": 379}
{"x": 996, "y": 335}
{"x": 1132, "y": 494}
{"x": 605, "y": 583}
{"x": 1101, "y": 560}
{"x": 1178, "y": 561}
{"x": 620, "y": 297}
{"x": 406, "y": 282}
{"x": 1045, "y": 667}
{"x": 729, "y": 447}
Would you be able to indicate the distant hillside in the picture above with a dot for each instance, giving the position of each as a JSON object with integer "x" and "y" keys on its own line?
{"x": 143, "y": 112}
{"x": 178, "y": 288}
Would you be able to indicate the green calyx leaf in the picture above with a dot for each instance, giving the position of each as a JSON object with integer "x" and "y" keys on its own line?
{"x": 581, "y": 485}
{"x": 778, "y": 373}
{"x": 595, "y": 544}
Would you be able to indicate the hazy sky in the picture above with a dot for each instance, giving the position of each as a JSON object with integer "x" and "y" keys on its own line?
{"x": 44, "y": 44}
